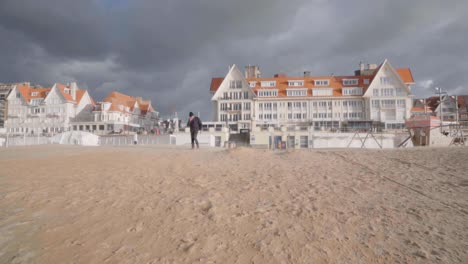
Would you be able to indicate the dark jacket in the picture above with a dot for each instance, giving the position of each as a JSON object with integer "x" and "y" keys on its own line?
{"x": 195, "y": 125}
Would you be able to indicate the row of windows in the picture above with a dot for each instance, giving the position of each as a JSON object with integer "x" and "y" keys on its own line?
{"x": 352, "y": 91}
{"x": 294, "y": 83}
{"x": 388, "y": 92}
{"x": 268, "y": 93}
{"x": 234, "y": 117}
{"x": 235, "y": 95}
{"x": 350, "y": 81}
{"x": 235, "y": 84}
{"x": 234, "y": 106}
{"x": 299, "y": 92}
{"x": 388, "y": 103}
{"x": 351, "y": 115}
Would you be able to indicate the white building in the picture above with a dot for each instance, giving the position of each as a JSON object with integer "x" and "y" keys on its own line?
{"x": 119, "y": 113}
{"x": 373, "y": 94}
{"x": 33, "y": 110}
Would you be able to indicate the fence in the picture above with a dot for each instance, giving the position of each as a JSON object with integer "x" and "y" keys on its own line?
{"x": 103, "y": 140}
{"x": 128, "y": 140}
{"x": 24, "y": 141}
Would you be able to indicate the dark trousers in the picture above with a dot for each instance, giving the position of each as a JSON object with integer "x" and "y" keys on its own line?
{"x": 194, "y": 134}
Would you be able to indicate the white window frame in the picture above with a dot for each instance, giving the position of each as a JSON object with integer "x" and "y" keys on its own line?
{"x": 268, "y": 83}
{"x": 323, "y": 82}
{"x": 322, "y": 92}
{"x": 350, "y": 81}
{"x": 296, "y": 92}
{"x": 267, "y": 93}
{"x": 295, "y": 83}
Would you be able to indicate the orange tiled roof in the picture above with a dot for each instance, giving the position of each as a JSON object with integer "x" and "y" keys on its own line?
{"x": 119, "y": 99}
{"x": 406, "y": 75}
{"x": 336, "y": 82}
{"x": 27, "y": 92}
{"x": 215, "y": 83}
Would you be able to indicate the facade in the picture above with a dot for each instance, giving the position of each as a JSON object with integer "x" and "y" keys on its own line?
{"x": 5, "y": 90}
{"x": 119, "y": 113}
{"x": 453, "y": 108}
{"x": 36, "y": 110}
{"x": 374, "y": 94}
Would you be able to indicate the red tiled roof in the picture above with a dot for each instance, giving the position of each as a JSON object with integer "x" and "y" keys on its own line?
{"x": 119, "y": 99}
{"x": 215, "y": 83}
{"x": 336, "y": 82}
{"x": 27, "y": 92}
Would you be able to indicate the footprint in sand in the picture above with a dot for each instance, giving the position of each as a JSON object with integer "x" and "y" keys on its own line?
{"x": 137, "y": 228}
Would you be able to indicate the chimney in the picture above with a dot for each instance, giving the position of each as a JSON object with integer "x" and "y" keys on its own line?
{"x": 307, "y": 74}
{"x": 361, "y": 66}
{"x": 279, "y": 75}
{"x": 252, "y": 71}
{"x": 73, "y": 89}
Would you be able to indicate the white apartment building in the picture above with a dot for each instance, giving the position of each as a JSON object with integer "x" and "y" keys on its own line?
{"x": 373, "y": 94}
{"x": 35, "y": 110}
{"x": 119, "y": 113}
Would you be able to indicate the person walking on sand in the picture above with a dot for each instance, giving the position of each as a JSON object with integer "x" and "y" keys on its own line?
{"x": 135, "y": 139}
{"x": 195, "y": 125}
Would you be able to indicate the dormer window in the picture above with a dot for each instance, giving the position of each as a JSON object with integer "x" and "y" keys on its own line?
{"x": 296, "y": 92}
{"x": 350, "y": 81}
{"x": 268, "y": 84}
{"x": 322, "y": 82}
{"x": 252, "y": 84}
{"x": 268, "y": 93}
{"x": 366, "y": 81}
{"x": 296, "y": 83}
{"x": 67, "y": 91}
{"x": 34, "y": 93}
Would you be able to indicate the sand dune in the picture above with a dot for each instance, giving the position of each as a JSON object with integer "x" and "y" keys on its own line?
{"x": 63, "y": 204}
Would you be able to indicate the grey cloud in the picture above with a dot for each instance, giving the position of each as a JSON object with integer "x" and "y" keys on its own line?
{"x": 168, "y": 51}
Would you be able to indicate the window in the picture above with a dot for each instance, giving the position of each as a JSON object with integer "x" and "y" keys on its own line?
{"x": 401, "y": 103}
{"x": 252, "y": 84}
{"x": 350, "y": 81}
{"x": 366, "y": 81}
{"x": 296, "y": 83}
{"x": 322, "y": 92}
{"x": 387, "y": 92}
{"x": 388, "y": 103}
{"x": 18, "y": 95}
{"x": 267, "y": 93}
{"x": 385, "y": 80}
{"x": 268, "y": 83}
{"x": 67, "y": 91}
{"x": 375, "y": 92}
{"x": 246, "y": 106}
{"x": 353, "y": 104}
{"x": 34, "y": 93}
{"x": 399, "y": 92}
{"x": 235, "y": 84}
{"x": 352, "y": 91}
{"x": 375, "y": 103}
{"x": 246, "y": 95}
{"x": 296, "y": 92}
{"x": 322, "y": 82}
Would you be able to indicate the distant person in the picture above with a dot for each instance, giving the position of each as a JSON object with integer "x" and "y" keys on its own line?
{"x": 195, "y": 125}
{"x": 135, "y": 138}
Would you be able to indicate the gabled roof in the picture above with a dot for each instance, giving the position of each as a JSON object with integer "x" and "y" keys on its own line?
{"x": 336, "y": 82}
{"x": 406, "y": 75}
{"x": 30, "y": 93}
{"x": 215, "y": 83}
{"x": 118, "y": 99}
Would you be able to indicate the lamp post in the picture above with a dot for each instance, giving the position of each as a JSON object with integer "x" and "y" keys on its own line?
{"x": 439, "y": 91}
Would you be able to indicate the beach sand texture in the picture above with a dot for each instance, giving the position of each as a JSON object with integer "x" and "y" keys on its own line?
{"x": 67, "y": 204}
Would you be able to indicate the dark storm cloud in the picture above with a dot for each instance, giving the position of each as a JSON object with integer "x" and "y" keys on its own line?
{"x": 169, "y": 50}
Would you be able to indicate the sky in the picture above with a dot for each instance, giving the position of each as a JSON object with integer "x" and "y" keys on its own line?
{"x": 168, "y": 50}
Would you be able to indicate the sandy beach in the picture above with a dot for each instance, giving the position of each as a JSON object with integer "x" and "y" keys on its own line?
{"x": 67, "y": 204}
